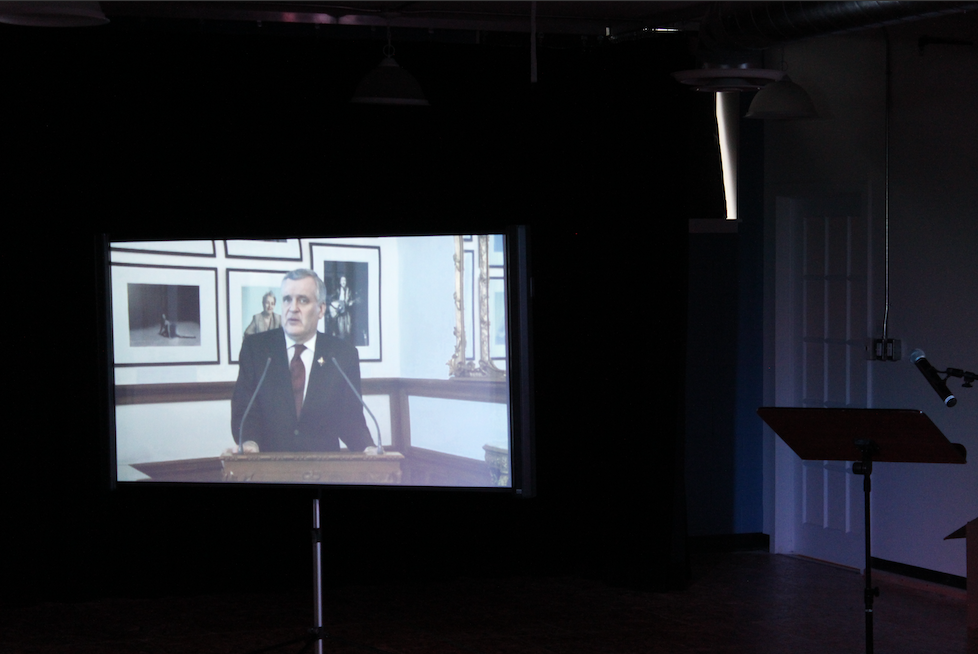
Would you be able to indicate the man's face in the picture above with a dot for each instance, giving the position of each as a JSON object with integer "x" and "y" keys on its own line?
{"x": 343, "y": 282}
{"x": 300, "y": 309}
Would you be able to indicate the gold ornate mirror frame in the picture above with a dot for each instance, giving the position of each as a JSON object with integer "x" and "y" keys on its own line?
{"x": 458, "y": 366}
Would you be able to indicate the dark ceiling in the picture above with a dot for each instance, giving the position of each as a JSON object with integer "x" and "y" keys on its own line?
{"x": 728, "y": 28}
{"x": 578, "y": 18}
{"x": 723, "y": 30}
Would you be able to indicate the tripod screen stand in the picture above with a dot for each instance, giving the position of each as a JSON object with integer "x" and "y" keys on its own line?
{"x": 863, "y": 436}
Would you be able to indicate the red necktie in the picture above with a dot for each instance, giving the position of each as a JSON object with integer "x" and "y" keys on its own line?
{"x": 298, "y": 371}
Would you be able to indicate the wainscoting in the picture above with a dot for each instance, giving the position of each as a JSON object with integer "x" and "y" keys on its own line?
{"x": 421, "y": 467}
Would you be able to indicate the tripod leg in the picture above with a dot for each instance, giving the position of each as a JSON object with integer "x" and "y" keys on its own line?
{"x": 317, "y": 581}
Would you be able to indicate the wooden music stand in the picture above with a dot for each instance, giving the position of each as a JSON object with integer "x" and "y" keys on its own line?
{"x": 863, "y": 436}
{"x": 970, "y": 531}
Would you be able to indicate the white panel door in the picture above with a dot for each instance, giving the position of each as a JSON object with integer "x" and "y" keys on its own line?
{"x": 822, "y": 322}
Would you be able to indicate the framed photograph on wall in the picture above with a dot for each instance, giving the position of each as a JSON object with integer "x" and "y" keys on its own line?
{"x": 285, "y": 249}
{"x": 164, "y": 315}
{"x": 192, "y": 248}
{"x": 352, "y": 277}
{"x": 254, "y": 305}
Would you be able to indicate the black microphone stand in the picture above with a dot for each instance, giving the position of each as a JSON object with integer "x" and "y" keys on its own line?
{"x": 969, "y": 377}
{"x": 869, "y": 449}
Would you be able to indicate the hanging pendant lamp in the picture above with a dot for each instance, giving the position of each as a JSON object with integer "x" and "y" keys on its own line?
{"x": 782, "y": 100}
{"x": 388, "y": 83}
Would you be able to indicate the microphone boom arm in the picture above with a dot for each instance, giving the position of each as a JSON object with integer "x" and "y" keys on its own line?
{"x": 380, "y": 445}
{"x": 261, "y": 381}
{"x": 969, "y": 377}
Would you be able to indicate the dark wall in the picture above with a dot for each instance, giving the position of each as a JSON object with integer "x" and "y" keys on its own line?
{"x": 724, "y": 457}
{"x": 201, "y": 131}
{"x": 749, "y": 459}
{"x": 711, "y": 374}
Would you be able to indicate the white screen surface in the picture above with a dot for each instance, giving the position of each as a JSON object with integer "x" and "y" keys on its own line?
{"x": 179, "y": 318}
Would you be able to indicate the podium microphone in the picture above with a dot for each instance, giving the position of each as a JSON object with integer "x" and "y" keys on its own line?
{"x": 930, "y": 373}
{"x": 248, "y": 409}
{"x": 380, "y": 446}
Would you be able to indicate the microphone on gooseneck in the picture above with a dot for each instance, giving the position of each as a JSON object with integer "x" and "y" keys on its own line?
{"x": 380, "y": 445}
{"x": 932, "y": 376}
{"x": 261, "y": 380}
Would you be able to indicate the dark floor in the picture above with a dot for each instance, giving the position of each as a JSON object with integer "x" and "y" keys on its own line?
{"x": 747, "y": 602}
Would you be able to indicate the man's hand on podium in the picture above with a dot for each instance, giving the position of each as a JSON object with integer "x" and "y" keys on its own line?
{"x": 250, "y": 447}
{"x": 370, "y": 451}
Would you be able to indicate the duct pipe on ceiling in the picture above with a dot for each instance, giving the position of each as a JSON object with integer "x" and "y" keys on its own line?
{"x": 758, "y": 25}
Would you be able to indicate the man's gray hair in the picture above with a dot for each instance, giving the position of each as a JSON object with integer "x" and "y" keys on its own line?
{"x": 302, "y": 273}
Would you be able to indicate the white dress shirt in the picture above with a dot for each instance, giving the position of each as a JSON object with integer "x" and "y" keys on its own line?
{"x": 306, "y": 357}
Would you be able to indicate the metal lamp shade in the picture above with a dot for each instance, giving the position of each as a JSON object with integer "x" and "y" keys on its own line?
{"x": 782, "y": 100}
{"x": 388, "y": 83}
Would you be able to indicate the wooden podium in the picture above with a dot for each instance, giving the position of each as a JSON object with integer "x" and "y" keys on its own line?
{"x": 281, "y": 468}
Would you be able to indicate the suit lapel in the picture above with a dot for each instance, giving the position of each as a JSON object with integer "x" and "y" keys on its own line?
{"x": 280, "y": 358}
{"x": 321, "y": 375}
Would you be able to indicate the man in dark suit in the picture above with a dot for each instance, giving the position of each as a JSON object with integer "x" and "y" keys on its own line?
{"x": 304, "y": 404}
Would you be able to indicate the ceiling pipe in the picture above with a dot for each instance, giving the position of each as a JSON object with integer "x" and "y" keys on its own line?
{"x": 733, "y": 35}
{"x": 731, "y": 26}
{"x": 53, "y": 14}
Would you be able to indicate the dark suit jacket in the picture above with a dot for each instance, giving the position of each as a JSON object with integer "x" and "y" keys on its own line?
{"x": 330, "y": 413}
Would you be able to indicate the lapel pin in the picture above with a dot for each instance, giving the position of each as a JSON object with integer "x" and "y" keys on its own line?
{"x": 320, "y": 362}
